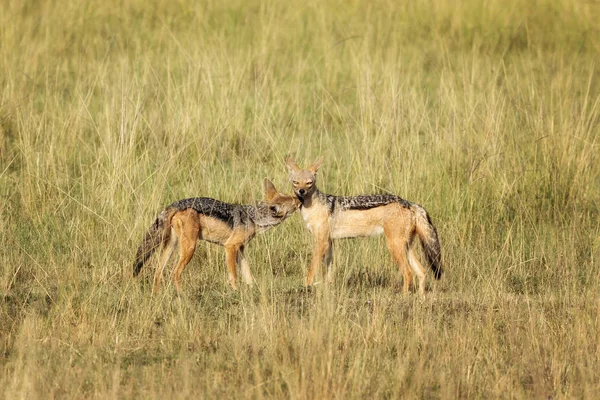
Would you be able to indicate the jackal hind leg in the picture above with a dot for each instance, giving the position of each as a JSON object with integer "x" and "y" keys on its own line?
{"x": 417, "y": 269}
{"x": 187, "y": 227}
{"x": 166, "y": 251}
{"x": 397, "y": 244}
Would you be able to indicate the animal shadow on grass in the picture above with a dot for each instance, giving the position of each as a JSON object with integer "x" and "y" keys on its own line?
{"x": 368, "y": 279}
{"x": 299, "y": 300}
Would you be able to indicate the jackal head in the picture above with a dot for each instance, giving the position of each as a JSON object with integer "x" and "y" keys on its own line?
{"x": 277, "y": 207}
{"x": 304, "y": 181}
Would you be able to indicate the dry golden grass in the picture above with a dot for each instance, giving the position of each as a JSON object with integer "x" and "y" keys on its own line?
{"x": 487, "y": 113}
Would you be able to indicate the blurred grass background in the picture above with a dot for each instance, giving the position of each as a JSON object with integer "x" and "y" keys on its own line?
{"x": 485, "y": 112}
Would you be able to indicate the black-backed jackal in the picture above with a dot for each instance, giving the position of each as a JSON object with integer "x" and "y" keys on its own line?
{"x": 330, "y": 217}
{"x": 230, "y": 225}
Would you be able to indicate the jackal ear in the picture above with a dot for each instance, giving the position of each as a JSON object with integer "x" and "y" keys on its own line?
{"x": 270, "y": 190}
{"x": 316, "y": 165}
{"x": 291, "y": 164}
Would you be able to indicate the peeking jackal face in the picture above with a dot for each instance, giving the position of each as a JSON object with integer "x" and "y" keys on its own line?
{"x": 276, "y": 208}
{"x": 304, "y": 181}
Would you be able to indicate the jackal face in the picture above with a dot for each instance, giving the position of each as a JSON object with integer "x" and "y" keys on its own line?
{"x": 277, "y": 207}
{"x": 304, "y": 181}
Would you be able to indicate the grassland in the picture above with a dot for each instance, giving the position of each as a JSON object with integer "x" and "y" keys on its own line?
{"x": 486, "y": 112}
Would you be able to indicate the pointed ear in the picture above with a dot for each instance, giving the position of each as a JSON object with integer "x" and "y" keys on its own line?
{"x": 270, "y": 190}
{"x": 316, "y": 165}
{"x": 291, "y": 164}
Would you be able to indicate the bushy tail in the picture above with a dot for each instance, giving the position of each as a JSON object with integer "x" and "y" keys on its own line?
{"x": 429, "y": 238}
{"x": 158, "y": 233}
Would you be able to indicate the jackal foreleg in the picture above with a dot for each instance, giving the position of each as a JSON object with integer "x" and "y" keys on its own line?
{"x": 243, "y": 263}
{"x": 327, "y": 258}
{"x": 231, "y": 255}
{"x": 321, "y": 250}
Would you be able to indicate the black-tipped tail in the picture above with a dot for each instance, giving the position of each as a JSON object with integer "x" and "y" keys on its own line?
{"x": 156, "y": 235}
{"x": 429, "y": 238}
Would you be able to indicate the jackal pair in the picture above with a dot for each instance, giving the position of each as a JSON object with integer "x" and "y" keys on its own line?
{"x": 327, "y": 217}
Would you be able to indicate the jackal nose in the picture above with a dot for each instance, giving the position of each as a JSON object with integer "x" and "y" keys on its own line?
{"x": 301, "y": 191}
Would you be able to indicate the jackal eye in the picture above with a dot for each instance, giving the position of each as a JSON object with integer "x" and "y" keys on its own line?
{"x": 309, "y": 183}
{"x": 295, "y": 183}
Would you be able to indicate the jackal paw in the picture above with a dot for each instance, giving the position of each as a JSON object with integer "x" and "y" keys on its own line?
{"x": 232, "y": 283}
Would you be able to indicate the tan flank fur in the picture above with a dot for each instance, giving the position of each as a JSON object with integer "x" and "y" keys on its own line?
{"x": 330, "y": 217}
{"x": 230, "y": 225}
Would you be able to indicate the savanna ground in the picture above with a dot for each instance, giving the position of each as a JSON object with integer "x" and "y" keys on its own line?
{"x": 485, "y": 112}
